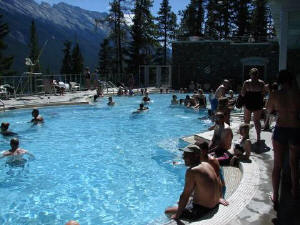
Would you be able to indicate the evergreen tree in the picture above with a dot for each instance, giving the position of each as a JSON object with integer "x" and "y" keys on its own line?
{"x": 143, "y": 35}
{"x": 77, "y": 60}
{"x": 66, "y": 67}
{"x": 226, "y": 10}
{"x": 259, "y": 19}
{"x": 193, "y": 19}
{"x": 166, "y": 25}
{"x": 118, "y": 34}
{"x": 242, "y": 17}
{"x": 5, "y": 62}
{"x": 34, "y": 49}
{"x": 105, "y": 58}
{"x": 212, "y": 24}
{"x": 270, "y": 24}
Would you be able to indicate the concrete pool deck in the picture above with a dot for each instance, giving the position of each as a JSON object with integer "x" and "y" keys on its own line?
{"x": 69, "y": 98}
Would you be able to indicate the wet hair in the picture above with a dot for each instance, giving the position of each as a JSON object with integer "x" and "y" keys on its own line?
{"x": 203, "y": 146}
{"x": 253, "y": 71}
{"x": 35, "y": 111}
{"x": 14, "y": 141}
{"x": 245, "y": 126}
{"x": 141, "y": 105}
{"x": 174, "y": 96}
{"x": 5, "y": 125}
{"x": 285, "y": 77}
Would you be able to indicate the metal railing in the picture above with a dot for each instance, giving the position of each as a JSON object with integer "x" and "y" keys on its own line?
{"x": 31, "y": 83}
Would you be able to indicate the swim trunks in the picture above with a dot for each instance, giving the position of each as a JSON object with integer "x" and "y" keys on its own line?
{"x": 254, "y": 100}
{"x": 194, "y": 211}
{"x": 223, "y": 156}
{"x": 287, "y": 135}
{"x": 214, "y": 104}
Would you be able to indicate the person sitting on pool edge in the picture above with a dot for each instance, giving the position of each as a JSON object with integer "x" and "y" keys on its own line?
{"x": 205, "y": 157}
{"x": 242, "y": 150}
{"x": 5, "y": 131}
{"x": 202, "y": 182}
{"x": 221, "y": 140}
{"x": 110, "y": 101}
{"x": 15, "y": 154}
{"x": 141, "y": 109}
{"x": 37, "y": 118}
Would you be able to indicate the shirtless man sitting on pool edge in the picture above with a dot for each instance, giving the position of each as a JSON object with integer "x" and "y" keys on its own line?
{"x": 200, "y": 179}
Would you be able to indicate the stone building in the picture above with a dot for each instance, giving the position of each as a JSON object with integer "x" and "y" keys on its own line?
{"x": 211, "y": 61}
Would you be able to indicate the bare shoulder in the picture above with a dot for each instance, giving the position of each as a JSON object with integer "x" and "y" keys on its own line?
{"x": 5, "y": 153}
{"x": 227, "y": 127}
{"x": 21, "y": 150}
{"x": 261, "y": 82}
{"x": 246, "y": 82}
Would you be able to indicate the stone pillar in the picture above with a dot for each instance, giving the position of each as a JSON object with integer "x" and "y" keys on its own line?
{"x": 283, "y": 39}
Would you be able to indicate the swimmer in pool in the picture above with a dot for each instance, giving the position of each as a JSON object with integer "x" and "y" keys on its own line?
{"x": 5, "y": 131}
{"x": 110, "y": 101}
{"x": 141, "y": 109}
{"x": 36, "y": 117}
{"x": 15, "y": 154}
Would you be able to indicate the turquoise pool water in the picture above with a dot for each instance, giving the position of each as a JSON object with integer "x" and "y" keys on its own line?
{"x": 97, "y": 164}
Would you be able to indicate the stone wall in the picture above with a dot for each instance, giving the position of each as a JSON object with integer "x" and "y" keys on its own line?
{"x": 212, "y": 61}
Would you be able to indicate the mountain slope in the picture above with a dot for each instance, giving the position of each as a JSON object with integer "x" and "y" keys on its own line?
{"x": 56, "y": 24}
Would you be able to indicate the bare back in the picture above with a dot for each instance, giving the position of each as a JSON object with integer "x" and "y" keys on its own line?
{"x": 207, "y": 185}
{"x": 287, "y": 105}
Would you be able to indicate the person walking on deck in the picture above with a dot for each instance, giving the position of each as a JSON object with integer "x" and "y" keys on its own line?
{"x": 286, "y": 136}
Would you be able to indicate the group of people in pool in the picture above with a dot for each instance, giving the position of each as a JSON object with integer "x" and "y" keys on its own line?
{"x": 196, "y": 101}
{"x": 15, "y": 154}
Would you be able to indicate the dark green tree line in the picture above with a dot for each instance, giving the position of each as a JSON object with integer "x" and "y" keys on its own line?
{"x": 5, "y": 61}
{"x": 34, "y": 49}
{"x": 66, "y": 67}
{"x": 143, "y": 34}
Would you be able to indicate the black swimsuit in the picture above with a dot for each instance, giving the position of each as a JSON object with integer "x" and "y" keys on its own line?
{"x": 254, "y": 100}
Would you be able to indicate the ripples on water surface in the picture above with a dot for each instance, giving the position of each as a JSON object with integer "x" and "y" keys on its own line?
{"x": 97, "y": 164}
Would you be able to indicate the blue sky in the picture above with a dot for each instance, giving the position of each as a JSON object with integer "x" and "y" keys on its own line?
{"x": 103, "y": 5}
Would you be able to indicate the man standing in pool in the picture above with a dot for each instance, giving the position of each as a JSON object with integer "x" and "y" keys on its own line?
{"x": 200, "y": 179}
{"x": 36, "y": 117}
{"x": 15, "y": 154}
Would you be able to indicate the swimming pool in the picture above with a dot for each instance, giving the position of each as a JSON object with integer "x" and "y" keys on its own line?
{"x": 97, "y": 164}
